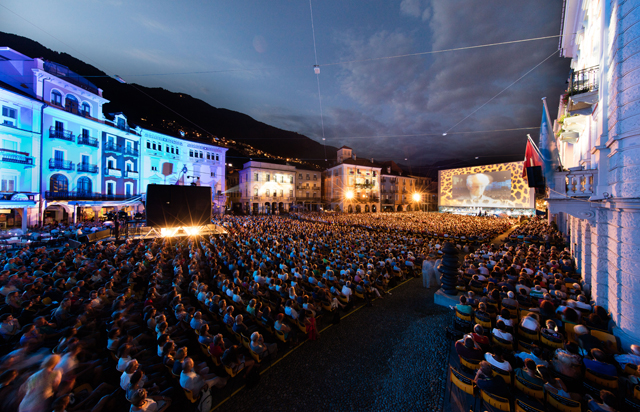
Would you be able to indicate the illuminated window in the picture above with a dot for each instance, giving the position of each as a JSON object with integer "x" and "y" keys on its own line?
{"x": 307, "y": 194}
{"x": 268, "y": 179}
{"x": 291, "y": 193}
{"x": 255, "y": 191}
{"x": 256, "y": 177}
{"x": 281, "y": 193}
{"x": 300, "y": 176}
{"x": 268, "y": 193}
{"x": 86, "y": 109}
{"x": 56, "y": 98}
{"x": 290, "y": 179}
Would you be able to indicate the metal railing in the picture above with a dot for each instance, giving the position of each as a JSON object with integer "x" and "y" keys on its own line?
{"x": 584, "y": 81}
{"x": 60, "y": 134}
{"x": 113, "y": 147}
{"x": 130, "y": 151}
{"x": 85, "y": 167}
{"x": 12, "y": 156}
{"x": 80, "y": 195}
{"x": 58, "y": 164}
{"x": 88, "y": 140}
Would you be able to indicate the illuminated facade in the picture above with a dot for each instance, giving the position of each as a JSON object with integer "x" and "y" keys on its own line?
{"x": 309, "y": 189}
{"x": 353, "y": 185}
{"x": 266, "y": 187}
{"x": 595, "y": 201}
{"x": 397, "y": 190}
{"x": 172, "y": 160}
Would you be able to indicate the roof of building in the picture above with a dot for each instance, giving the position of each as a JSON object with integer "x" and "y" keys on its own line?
{"x": 361, "y": 162}
{"x": 345, "y": 147}
{"x": 15, "y": 90}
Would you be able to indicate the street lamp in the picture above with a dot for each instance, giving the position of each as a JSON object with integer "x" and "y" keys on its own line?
{"x": 416, "y": 198}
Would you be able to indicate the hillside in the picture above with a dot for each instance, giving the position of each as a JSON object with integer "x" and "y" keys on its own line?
{"x": 137, "y": 102}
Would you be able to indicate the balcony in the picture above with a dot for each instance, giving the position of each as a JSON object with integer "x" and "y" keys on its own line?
{"x": 112, "y": 147}
{"x": 84, "y": 196}
{"x": 60, "y": 134}
{"x": 130, "y": 151}
{"x": 88, "y": 141}
{"x": 57, "y": 164}
{"x": 131, "y": 174}
{"x": 75, "y": 109}
{"x": 112, "y": 172}
{"x": 583, "y": 90}
{"x": 87, "y": 168}
{"x": 364, "y": 185}
{"x": 581, "y": 183}
{"x": 11, "y": 156}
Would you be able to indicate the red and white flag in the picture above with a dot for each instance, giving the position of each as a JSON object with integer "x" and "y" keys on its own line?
{"x": 531, "y": 158}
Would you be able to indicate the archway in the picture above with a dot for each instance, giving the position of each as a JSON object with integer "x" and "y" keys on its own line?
{"x": 358, "y": 209}
{"x": 281, "y": 207}
{"x": 350, "y": 210}
{"x": 58, "y": 183}
{"x": 408, "y": 208}
{"x": 267, "y": 207}
{"x": 366, "y": 208}
{"x": 374, "y": 209}
{"x": 337, "y": 208}
{"x": 399, "y": 208}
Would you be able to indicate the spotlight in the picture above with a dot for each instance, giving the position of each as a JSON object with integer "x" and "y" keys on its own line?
{"x": 349, "y": 195}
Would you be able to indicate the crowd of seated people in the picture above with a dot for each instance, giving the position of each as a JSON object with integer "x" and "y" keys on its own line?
{"x": 529, "y": 324}
{"x": 135, "y": 324}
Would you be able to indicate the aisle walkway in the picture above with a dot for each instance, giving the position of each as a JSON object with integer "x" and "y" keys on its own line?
{"x": 388, "y": 357}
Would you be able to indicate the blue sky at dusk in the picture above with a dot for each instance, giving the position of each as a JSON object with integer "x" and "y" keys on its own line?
{"x": 264, "y": 52}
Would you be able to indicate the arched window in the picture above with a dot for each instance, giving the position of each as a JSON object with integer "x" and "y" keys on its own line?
{"x": 70, "y": 102}
{"x": 56, "y": 98}
{"x": 84, "y": 185}
{"x": 86, "y": 109}
{"x": 59, "y": 183}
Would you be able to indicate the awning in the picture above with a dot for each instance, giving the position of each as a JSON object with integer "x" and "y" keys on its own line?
{"x": 16, "y": 204}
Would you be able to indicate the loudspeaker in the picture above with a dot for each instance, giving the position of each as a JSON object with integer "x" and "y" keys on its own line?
{"x": 175, "y": 206}
{"x": 534, "y": 176}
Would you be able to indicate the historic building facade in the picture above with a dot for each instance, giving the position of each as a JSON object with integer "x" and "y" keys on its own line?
{"x": 352, "y": 185}
{"x": 596, "y": 200}
{"x": 308, "y": 194}
{"x": 266, "y": 187}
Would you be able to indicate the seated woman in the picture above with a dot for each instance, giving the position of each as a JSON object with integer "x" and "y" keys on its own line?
{"x": 481, "y": 312}
{"x": 231, "y": 358}
{"x": 260, "y": 347}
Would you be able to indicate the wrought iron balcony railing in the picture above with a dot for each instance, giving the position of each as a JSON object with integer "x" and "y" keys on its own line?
{"x": 88, "y": 141}
{"x": 112, "y": 147}
{"x": 130, "y": 151}
{"x": 60, "y": 134}
{"x": 81, "y": 195}
{"x": 57, "y": 164}
{"x": 85, "y": 167}
{"x": 584, "y": 81}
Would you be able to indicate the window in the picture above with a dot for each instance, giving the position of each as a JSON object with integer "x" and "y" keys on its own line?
{"x": 173, "y": 150}
{"x": 59, "y": 126}
{"x": 129, "y": 167}
{"x": 86, "y": 109}
{"x": 85, "y": 133}
{"x": 300, "y": 176}
{"x": 217, "y": 158}
{"x": 154, "y": 168}
{"x": 111, "y": 188}
{"x": 70, "y": 102}
{"x": 307, "y": 194}
{"x": 84, "y": 185}
{"x": 58, "y": 183}
{"x": 155, "y": 147}
{"x": 160, "y": 146}
{"x": 308, "y": 176}
{"x": 58, "y": 155}
{"x": 268, "y": 179}
{"x": 148, "y": 145}
{"x": 255, "y": 191}
{"x": 110, "y": 164}
{"x": 201, "y": 155}
{"x": 291, "y": 193}
{"x": 8, "y": 184}
{"x": 122, "y": 124}
{"x": 86, "y": 159}
{"x": 256, "y": 177}
{"x": 208, "y": 156}
{"x": 213, "y": 174}
{"x": 130, "y": 147}
{"x": 177, "y": 151}
{"x": 56, "y": 98}
{"x": 281, "y": 193}
{"x": 314, "y": 194}
{"x": 290, "y": 179}
{"x": 190, "y": 153}
{"x": 168, "y": 148}
{"x": 10, "y": 116}
{"x": 128, "y": 189}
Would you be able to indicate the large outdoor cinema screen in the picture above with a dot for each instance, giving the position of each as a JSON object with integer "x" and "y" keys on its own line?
{"x": 498, "y": 185}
